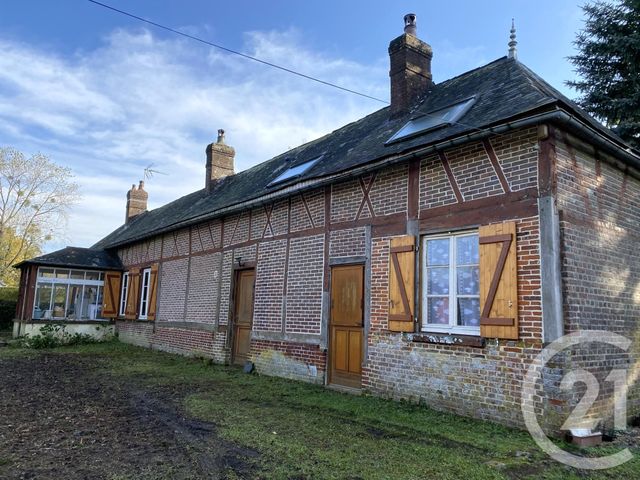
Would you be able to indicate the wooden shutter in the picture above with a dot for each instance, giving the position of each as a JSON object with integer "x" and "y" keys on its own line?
{"x": 498, "y": 281}
{"x": 153, "y": 292}
{"x": 402, "y": 258}
{"x": 133, "y": 294}
{"x": 111, "y": 294}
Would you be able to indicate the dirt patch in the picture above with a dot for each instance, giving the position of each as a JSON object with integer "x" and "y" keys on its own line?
{"x": 64, "y": 418}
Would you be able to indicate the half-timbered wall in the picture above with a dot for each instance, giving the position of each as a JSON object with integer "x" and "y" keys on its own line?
{"x": 293, "y": 242}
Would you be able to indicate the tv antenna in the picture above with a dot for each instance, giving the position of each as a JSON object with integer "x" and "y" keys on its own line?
{"x": 149, "y": 172}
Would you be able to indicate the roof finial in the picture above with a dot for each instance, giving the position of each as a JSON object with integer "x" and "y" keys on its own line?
{"x": 513, "y": 51}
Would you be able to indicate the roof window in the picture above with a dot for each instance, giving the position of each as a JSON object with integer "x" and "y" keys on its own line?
{"x": 295, "y": 171}
{"x": 424, "y": 122}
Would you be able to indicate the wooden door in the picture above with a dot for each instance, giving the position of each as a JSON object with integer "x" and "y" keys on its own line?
{"x": 346, "y": 325}
{"x": 243, "y": 315}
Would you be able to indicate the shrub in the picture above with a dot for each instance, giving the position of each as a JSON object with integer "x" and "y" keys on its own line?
{"x": 8, "y": 301}
{"x": 54, "y": 335}
{"x": 9, "y": 294}
{"x": 7, "y": 314}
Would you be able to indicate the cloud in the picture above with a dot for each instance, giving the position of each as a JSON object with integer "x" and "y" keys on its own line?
{"x": 141, "y": 99}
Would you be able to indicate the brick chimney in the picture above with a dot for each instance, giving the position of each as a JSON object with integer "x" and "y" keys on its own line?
{"x": 136, "y": 201}
{"x": 410, "y": 70}
{"x": 219, "y": 160}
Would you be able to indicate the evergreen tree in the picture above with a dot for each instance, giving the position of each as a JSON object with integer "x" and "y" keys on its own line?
{"x": 608, "y": 64}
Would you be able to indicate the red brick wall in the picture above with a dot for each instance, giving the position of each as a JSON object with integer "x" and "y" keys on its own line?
{"x": 473, "y": 172}
{"x": 600, "y": 225}
{"x": 304, "y": 285}
{"x": 482, "y": 382}
{"x": 204, "y": 278}
{"x": 135, "y": 333}
{"x": 267, "y": 313}
{"x": 173, "y": 290}
{"x": 518, "y": 155}
{"x": 307, "y": 210}
{"x": 388, "y": 193}
{"x": 435, "y": 188}
{"x": 181, "y": 341}
{"x": 347, "y": 243}
{"x": 205, "y": 236}
{"x": 297, "y": 361}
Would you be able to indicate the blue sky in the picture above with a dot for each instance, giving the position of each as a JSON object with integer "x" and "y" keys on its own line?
{"x": 108, "y": 96}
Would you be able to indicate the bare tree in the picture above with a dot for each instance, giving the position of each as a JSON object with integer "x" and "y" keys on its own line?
{"x": 35, "y": 198}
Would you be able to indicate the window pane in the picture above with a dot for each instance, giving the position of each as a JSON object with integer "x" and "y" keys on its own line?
{"x": 93, "y": 276}
{"x": 123, "y": 294}
{"x": 59, "y": 300}
{"x": 438, "y": 281}
{"x": 99, "y": 303}
{"x": 467, "y": 250}
{"x": 91, "y": 296}
{"x": 468, "y": 280}
{"x": 46, "y": 272}
{"x": 77, "y": 274}
{"x": 74, "y": 309}
{"x": 438, "y": 252}
{"x": 62, "y": 273}
{"x": 43, "y": 299}
{"x": 469, "y": 312}
{"x": 438, "y": 310}
{"x": 145, "y": 293}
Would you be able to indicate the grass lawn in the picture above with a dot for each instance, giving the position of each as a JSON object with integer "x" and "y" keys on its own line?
{"x": 304, "y": 431}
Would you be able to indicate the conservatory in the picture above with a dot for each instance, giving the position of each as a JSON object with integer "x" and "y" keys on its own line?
{"x": 65, "y": 287}
{"x": 67, "y": 294}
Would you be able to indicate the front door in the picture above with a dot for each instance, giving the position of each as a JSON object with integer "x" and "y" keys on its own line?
{"x": 346, "y": 325}
{"x": 243, "y": 315}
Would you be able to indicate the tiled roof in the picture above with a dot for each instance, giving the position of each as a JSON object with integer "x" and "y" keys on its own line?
{"x": 90, "y": 258}
{"x": 504, "y": 90}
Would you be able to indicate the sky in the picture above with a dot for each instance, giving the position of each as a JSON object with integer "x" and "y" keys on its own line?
{"x": 109, "y": 96}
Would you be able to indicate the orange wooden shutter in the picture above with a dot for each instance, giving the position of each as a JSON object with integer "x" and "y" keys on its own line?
{"x": 498, "y": 281}
{"x": 153, "y": 292}
{"x": 402, "y": 276}
{"x": 111, "y": 294}
{"x": 133, "y": 294}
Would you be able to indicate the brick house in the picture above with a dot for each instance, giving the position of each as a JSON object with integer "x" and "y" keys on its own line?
{"x": 427, "y": 251}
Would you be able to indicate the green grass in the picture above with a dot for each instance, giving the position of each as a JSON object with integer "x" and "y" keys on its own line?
{"x": 306, "y": 431}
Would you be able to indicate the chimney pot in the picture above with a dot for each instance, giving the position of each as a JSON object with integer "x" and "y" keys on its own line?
{"x": 410, "y": 24}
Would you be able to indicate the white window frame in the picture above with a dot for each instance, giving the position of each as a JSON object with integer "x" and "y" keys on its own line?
{"x": 124, "y": 293}
{"x": 144, "y": 293}
{"x": 452, "y": 327}
{"x": 52, "y": 281}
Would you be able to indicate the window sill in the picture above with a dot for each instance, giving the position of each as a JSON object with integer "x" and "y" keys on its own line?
{"x": 448, "y": 339}
{"x": 140, "y": 320}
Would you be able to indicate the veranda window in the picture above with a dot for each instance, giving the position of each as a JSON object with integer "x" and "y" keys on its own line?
{"x": 66, "y": 294}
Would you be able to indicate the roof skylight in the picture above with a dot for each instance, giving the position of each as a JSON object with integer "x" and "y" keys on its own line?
{"x": 294, "y": 171}
{"x": 432, "y": 120}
